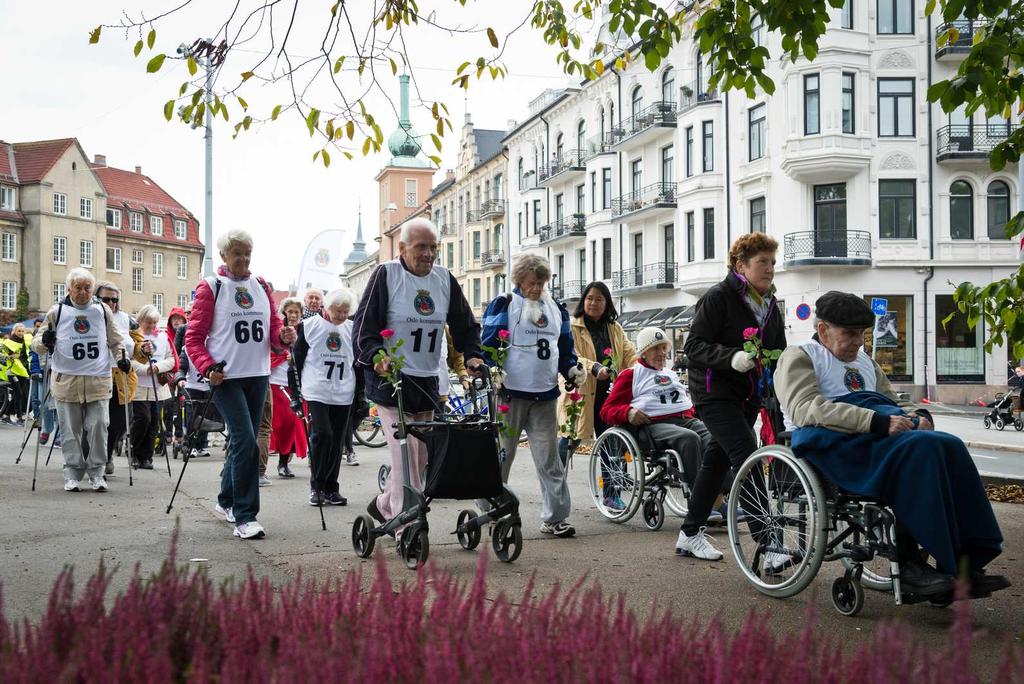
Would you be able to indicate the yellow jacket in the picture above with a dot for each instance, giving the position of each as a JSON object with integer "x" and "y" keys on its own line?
{"x": 13, "y": 350}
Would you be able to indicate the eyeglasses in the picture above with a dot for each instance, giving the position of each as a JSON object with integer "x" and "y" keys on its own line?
{"x": 109, "y": 300}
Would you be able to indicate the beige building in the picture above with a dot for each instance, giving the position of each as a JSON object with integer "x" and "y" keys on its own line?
{"x": 59, "y": 211}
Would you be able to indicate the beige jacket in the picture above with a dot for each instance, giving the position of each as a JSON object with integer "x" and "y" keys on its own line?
{"x": 797, "y": 387}
{"x": 81, "y": 389}
{"x": 164, "y": 365}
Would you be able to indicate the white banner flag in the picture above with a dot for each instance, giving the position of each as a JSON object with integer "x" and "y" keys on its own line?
{"x": 321, "y": 263}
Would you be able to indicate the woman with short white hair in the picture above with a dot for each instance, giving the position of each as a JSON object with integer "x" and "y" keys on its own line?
{"x": 234, "y": 327}
{"x": 152, "y": 388}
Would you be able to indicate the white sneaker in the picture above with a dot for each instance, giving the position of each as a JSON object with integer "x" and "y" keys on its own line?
{"x": 250, "y": 530}
{"x": 698, "y": 546}
{"x": 71, "y": 485}
{"x": 775, "y": 562}
{"x": 351, "y": 458}
{"x": 265, "y": 481}
{"x": 98, "y": 483}
{"x": 226, "y": 512}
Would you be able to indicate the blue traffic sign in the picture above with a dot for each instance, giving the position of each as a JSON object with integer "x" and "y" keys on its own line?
{"x": 879, "y": 306}
{"x": 803, "y": 311}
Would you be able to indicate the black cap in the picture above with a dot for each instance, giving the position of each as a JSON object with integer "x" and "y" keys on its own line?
{"x": 844, "y": 310}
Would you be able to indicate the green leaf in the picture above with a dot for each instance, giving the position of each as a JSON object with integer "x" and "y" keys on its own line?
{"x": 154, "y": 64}
{"x": 274, "y": 114}
{"x": 94, "y": 35}
{"x": 491, "y": 36}
{"x": 326, "y": 158}
{"x": 151, "y": 38}
{"x": 338, "y": 63}
{"x": 169, "y": 109}
{"x": 245, "y": 105}
{"x": 138, "y": 48}
{"x": 192, "y": 66}
{"x": 311, "y": 120}
{"x": 246, "y": 75}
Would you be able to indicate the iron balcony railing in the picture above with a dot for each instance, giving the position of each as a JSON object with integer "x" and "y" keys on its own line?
{"x": 842, "y": 247}
{"x": 697, "y": 93}
{"x": 599, "y": 144}
{"x": 969, "y": 140}
{"x": 656, "y": 194}
{"x": 649, "y": 275}
{"x": 491, "y": 208}
{"x": 960, "y": 40}
{"x": 448, "y": 229}
{"x": 657, "y": 114}
{"x": 528, "y": 181}
{"x": 570, "y": 289}
{"x": 575, "y": 224}
{"x": 572, "y": 159}
{"x": 491, "y": 257}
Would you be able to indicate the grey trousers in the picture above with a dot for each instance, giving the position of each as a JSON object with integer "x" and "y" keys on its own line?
{"x": 90, "y": 419}
{"x": 689, "y": 442}
{"x": 540, "y": 419}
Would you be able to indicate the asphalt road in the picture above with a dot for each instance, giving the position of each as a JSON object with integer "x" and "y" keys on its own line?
{"x": 45, "y": 530}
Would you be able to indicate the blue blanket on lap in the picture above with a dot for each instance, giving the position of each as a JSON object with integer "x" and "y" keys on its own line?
{"x": 928, "y": 479}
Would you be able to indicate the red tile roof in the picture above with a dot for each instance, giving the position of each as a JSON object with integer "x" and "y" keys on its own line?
{"x": 139, "y": 192}
{"x": 33, "y": 160}
{"x": 7, "y": 172}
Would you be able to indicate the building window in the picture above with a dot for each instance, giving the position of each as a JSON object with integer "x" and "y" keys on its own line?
{"x": 998, "y": 210}
{"x": 60, "y": 291}
{"x": 812, "y": 102}
{"x": 959, "y": 350}
{"x": 581, "y": 202}
{"x": 593, "y": 191}
{"x": 156, "y": 225}
{"x": 60, "y": 250}
{"x": 410, "y": 192}
{"x": 60, "y": 203}
{"x": 85, "y": 253}
{"x": 158, "y": 264}
{"x": 7, "y": 197}
{"x": 961, "y": 211}
{"x": 668, "y": 159}
{"x": 137, "y": 256}
{"x": 895, "y": 16}
{"x": 689, "y": 151}
{"x": 757, "y": 30}
{"x": 10, "y": 247}
{"x": 895, "y": 107}
{"x": 606, "y": 188}
{"x": 709, "y": 146}
{"x": 669, "y": 243}
{"x": 135, "y": 221}
{"x": 10, "y": 295}
{"x": 519, "y": 173}
{"x": 182, "y": 300}
{"x": 451, "y": 252}
{"x": 690, "y": 237}
{"x": 848, "y": 102}
{"x": 846, "y": 15}
{"x": 559, "y": 207}
{"x": 636, "y": 102}
{"x": 755, "y": 132}
{"x": 85, "y": 207}
{"x": 182, "y": 266}
{"x": 581, "y": 139}
{"x": 606, "y": 258}
{"x": 636, "y": 175}
{"x": 709, "y": 233}
{"x": 668, "y": 85}
{"x": 536, "y": 215}
{"x": 158, "y": 301}
{"x": 114, "y": 218}
{"x": 894, "y": 333}
{"x": 476, "y": 292}
{"x": 114, "y": 259}
{"x": 476, "y": 245}
{"x": 180, "y": 229}
{"x": 136, "y": 280}
{"x": 757, "y": 215}
{"x": 896, "y": 215}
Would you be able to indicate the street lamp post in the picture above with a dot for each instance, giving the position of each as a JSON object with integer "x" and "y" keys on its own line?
{"x": 206, "y": 61}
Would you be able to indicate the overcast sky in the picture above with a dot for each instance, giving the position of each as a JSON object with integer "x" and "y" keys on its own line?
{"x": 56, "y": 85}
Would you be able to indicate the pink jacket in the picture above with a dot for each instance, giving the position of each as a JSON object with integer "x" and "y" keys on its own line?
{"x": 202, "y": 320}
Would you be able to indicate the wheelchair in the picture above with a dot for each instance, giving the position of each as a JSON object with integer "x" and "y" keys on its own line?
{"x": 799, "y": 521}
{"x": 644, "y": 478}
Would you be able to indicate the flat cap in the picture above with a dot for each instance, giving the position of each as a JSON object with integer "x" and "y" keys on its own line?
{"x": 844, "y": 310}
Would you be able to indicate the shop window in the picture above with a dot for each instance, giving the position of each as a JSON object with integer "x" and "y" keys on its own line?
{"x": 959, "y": 354}
{"x": 895, "y": 334}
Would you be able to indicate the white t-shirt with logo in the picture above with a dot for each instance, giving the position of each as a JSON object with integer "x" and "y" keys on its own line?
{"x": 417, "y": 312}
{"x": 838, "y": 378}
{"x": 240, "y": 333}
{"x": 532, "y": 363}
{"x": 658, "y": 393}
{"x": 81, "y": 347}
{"x": 327, "y": 375}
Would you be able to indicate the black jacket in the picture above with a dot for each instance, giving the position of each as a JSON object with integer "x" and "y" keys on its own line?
{"x": 717, "y": 333}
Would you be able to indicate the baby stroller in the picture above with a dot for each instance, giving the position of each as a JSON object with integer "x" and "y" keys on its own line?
{"x": 1005, "y": 411}
{"x": 462, "y": 463}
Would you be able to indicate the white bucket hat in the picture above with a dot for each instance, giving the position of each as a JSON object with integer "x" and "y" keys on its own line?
{"x": 650, "y": 337}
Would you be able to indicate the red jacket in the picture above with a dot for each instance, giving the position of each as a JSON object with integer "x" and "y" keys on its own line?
{"x": 616, "y": 407}
{"x": 202, "y": 320}
{"x": 176, "y": 311}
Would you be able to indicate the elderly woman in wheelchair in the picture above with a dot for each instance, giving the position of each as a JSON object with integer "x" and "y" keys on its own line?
{"x": 867, "y": 481}
{"x": 650, "y": 457}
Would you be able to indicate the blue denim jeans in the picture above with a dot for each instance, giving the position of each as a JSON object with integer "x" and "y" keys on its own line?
{"x": 240, "y": 403}
{"x": 49, "y": 414}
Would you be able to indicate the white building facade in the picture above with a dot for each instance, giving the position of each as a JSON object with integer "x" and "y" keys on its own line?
{"x": 643, "y": 180}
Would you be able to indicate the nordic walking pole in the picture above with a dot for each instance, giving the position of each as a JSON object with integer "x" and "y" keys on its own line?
{"x": 158, "y": 411}
{"x": 53, "y": 443}
{"x": 29, "y": 428}
{"x": 191, "y": 436}
{"x": 127, "y": 438}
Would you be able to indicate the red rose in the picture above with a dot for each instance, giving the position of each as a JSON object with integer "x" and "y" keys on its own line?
{"x": 387, "y": 333}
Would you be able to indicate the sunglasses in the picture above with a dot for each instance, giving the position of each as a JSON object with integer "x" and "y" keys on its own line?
{"x": 110, "y": 300}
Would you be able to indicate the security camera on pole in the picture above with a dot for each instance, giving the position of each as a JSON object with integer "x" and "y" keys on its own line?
{"x": 205, "y": 48}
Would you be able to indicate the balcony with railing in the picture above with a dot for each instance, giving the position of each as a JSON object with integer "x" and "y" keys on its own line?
{"x": 494, "y": 257}
{"x": 697, "y": 93}
{"x": 573, "y": 225}
{"x": 647, "y": 199}
{"x": 570, "y": 289}
{"x": 968, "y": 141}
{"x": 565, "y": 165}
{"x": 658, "y": 276}
{"x": 492, "y": 208}
{"x": 954, "y": 39}
{"x": 599, "y": 144}
{"x": 448, "y": 229}
{"x": 647, "y": 123}
{"x": 827, "y": 248}
{"x": 528, "y": 181}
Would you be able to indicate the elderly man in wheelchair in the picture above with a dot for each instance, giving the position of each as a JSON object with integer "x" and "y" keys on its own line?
{"x": 867, "y": 477}
{"x": 651, "y": 456}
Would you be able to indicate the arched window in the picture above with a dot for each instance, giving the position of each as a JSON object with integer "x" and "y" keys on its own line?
{"x": 611, "y": 114}
{"x": 559, "y": 147}
{"x": 636, "y": 102}
{"x": 961, "y": 211}
{"x": 602, "y": 130}
{"x": 668, "y": 85}
{"x": 998, "y": 209}
{"x": 581, "y": 135}
{"x": 519, "y": 172}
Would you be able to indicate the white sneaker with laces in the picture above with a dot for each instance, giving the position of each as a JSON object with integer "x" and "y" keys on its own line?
{"x": 697, "y": 546}
{"x": 226, "y": 512}
{"x": 99, "y": 484}
{"x": 775, "y": 562}
{"x": 71, "y": 485}
{"x": 351, "y": 458}
{"x": 265, "y": 481}
{"x": 250, "y": 530}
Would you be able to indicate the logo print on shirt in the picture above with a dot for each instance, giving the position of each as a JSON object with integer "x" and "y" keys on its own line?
{"x": 853, "y": 380}
{"x": 423, "y": 304}
{"x": 81, "y": 324}
{"x": 333, "y": 341}
{"x": 243, "y": 298}
{"x": 542, "y": 321}
{"x": 662, "y": 380}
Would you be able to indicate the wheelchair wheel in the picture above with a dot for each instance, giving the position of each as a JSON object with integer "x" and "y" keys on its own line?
{"x": 507, "y": 540}
{"x": 1018, "y": 423}
{"x": 987, "y": 421}
{"x": 875, "y": 573}
{"x": 382, "y": 476}
{"x": 468, "y": 539}
{"x": 415, "y": 546}
{"x": 616, "y": 475}
{"x": 654, "y": 513}
{"x": 362, "y": 536}
{"x": 787, "y": 517}
{"x": 847, "y": 595}
{"x": 1000, "y": 424}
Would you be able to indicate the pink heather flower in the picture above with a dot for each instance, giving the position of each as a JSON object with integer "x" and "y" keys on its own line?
{"x": 575, "y": 396}
{"x": 503, "y": 408}
{"x": 749, "y": 332}
{"x": 608, "y": 351}
{"x": 387, "y": 333}
{"x": 504, "y": 334}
